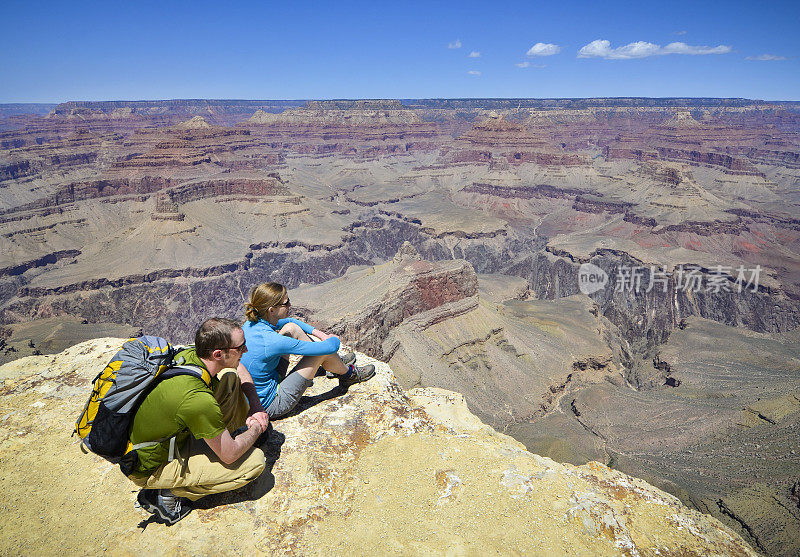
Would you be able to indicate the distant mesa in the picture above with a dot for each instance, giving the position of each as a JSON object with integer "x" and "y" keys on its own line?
{"x": 497, "y": 140}
{"x": 682, "y": 119}
{"x": 262, "y": 117}
{"x": 364, "y": 104}
{"x": 122, "y": 112}
{"x": 356, "y": 128}
{"x": 342, "y": 113}
{"x": 500, "y": 132}
{"x": 195, "y": 123}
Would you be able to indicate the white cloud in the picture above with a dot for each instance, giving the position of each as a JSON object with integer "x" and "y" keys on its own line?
{"x": 766, "y": 57}
{"x": 455, "y": 44}
{"x": 474, "y": 54}
{"x": 527, "y": 64}
{"x": 474, "y": 72}
{"x": 641, "y": 49}
{"x": 683, "y": 48}
{"x": 543, "y": 49}
{"x": 680, "y": 32}
{"x": 602, "y": 49}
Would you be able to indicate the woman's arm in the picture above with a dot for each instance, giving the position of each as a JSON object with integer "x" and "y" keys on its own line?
{"x": 308, "y": 329}
{"x": 288, "y": 345}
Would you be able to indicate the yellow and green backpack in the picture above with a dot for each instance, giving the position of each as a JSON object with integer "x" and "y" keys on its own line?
{"x": 118, "y": 390}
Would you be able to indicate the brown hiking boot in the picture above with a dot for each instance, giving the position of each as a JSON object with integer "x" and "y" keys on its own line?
{"x": 347, "y": 359}
{"x": 357, "y": 375}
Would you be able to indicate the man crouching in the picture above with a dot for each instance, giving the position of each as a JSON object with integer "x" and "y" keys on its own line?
{"x": 182, "y": 407}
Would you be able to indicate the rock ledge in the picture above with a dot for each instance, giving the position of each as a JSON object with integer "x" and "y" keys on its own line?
{"x": 373, "y": 468}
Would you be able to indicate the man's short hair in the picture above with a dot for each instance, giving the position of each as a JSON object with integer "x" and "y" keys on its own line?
{"x": 214, "y": 334}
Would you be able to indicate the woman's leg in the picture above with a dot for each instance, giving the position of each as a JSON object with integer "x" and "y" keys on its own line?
{"x": 293, "y": 330}
{"x": 306, "y": 366}
{"x": 291, "y": 389}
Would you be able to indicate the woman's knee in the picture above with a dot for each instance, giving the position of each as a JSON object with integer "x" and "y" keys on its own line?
{"x": 292, "y": 330}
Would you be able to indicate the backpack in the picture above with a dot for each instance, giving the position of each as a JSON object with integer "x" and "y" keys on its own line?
{"x": 117, "y": 391}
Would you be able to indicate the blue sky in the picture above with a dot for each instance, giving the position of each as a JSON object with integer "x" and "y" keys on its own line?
{"x": 59, "y": 51}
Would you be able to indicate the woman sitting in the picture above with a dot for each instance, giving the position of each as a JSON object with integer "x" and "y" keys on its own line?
{"x": 271, "y": 335}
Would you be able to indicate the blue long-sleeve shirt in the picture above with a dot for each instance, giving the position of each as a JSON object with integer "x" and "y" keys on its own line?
{"x": 265, "y": 346}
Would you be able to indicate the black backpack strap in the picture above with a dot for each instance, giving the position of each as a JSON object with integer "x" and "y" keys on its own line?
{"x": 187, "y": 369}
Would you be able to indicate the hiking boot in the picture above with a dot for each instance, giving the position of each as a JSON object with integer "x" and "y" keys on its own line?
{"x": 347, "y": 359}
{"x": 168, "y": 507}
{"x": 357, "y": 375}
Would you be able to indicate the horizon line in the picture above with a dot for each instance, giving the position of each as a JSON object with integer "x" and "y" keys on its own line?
{"x": 353, "y": 99}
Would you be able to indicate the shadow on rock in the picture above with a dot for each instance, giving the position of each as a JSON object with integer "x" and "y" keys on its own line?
{"x": 152, "y": 519}
{"x": 259, "y": 487}
{"x": 307, "y": 402}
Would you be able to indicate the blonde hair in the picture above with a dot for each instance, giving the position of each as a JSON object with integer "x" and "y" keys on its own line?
{"x": 263, "y": 297}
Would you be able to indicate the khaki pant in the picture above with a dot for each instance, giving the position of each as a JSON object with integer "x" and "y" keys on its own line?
{"x": 202, "y": 473}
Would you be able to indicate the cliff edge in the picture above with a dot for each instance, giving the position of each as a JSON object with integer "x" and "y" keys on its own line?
{"x": 371, "y": 469}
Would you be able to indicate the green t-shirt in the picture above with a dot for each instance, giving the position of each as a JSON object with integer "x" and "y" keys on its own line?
{"x": 178, "y": 405}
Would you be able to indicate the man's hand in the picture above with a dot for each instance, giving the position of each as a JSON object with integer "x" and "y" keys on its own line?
{"x": 261, "y": 417}
{"x": 228, "y": 449}
{"x": 253, "y": 424}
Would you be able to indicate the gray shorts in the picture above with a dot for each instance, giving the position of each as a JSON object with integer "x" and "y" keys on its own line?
{"x": 289, "y": 392}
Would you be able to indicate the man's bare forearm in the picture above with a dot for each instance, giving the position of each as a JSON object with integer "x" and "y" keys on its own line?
{"x": 230, "y": 449}
{"x": 245, "y": 440}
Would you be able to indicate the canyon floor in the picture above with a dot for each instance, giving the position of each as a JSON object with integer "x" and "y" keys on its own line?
{"x": 450, "y": 238}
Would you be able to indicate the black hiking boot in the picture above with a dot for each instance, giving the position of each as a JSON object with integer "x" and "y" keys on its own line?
{"x": 167, "y": 507}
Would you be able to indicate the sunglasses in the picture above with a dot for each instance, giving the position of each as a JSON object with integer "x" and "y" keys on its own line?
{"x": 241, "y": 348}
{"x": 288, "y": 302}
